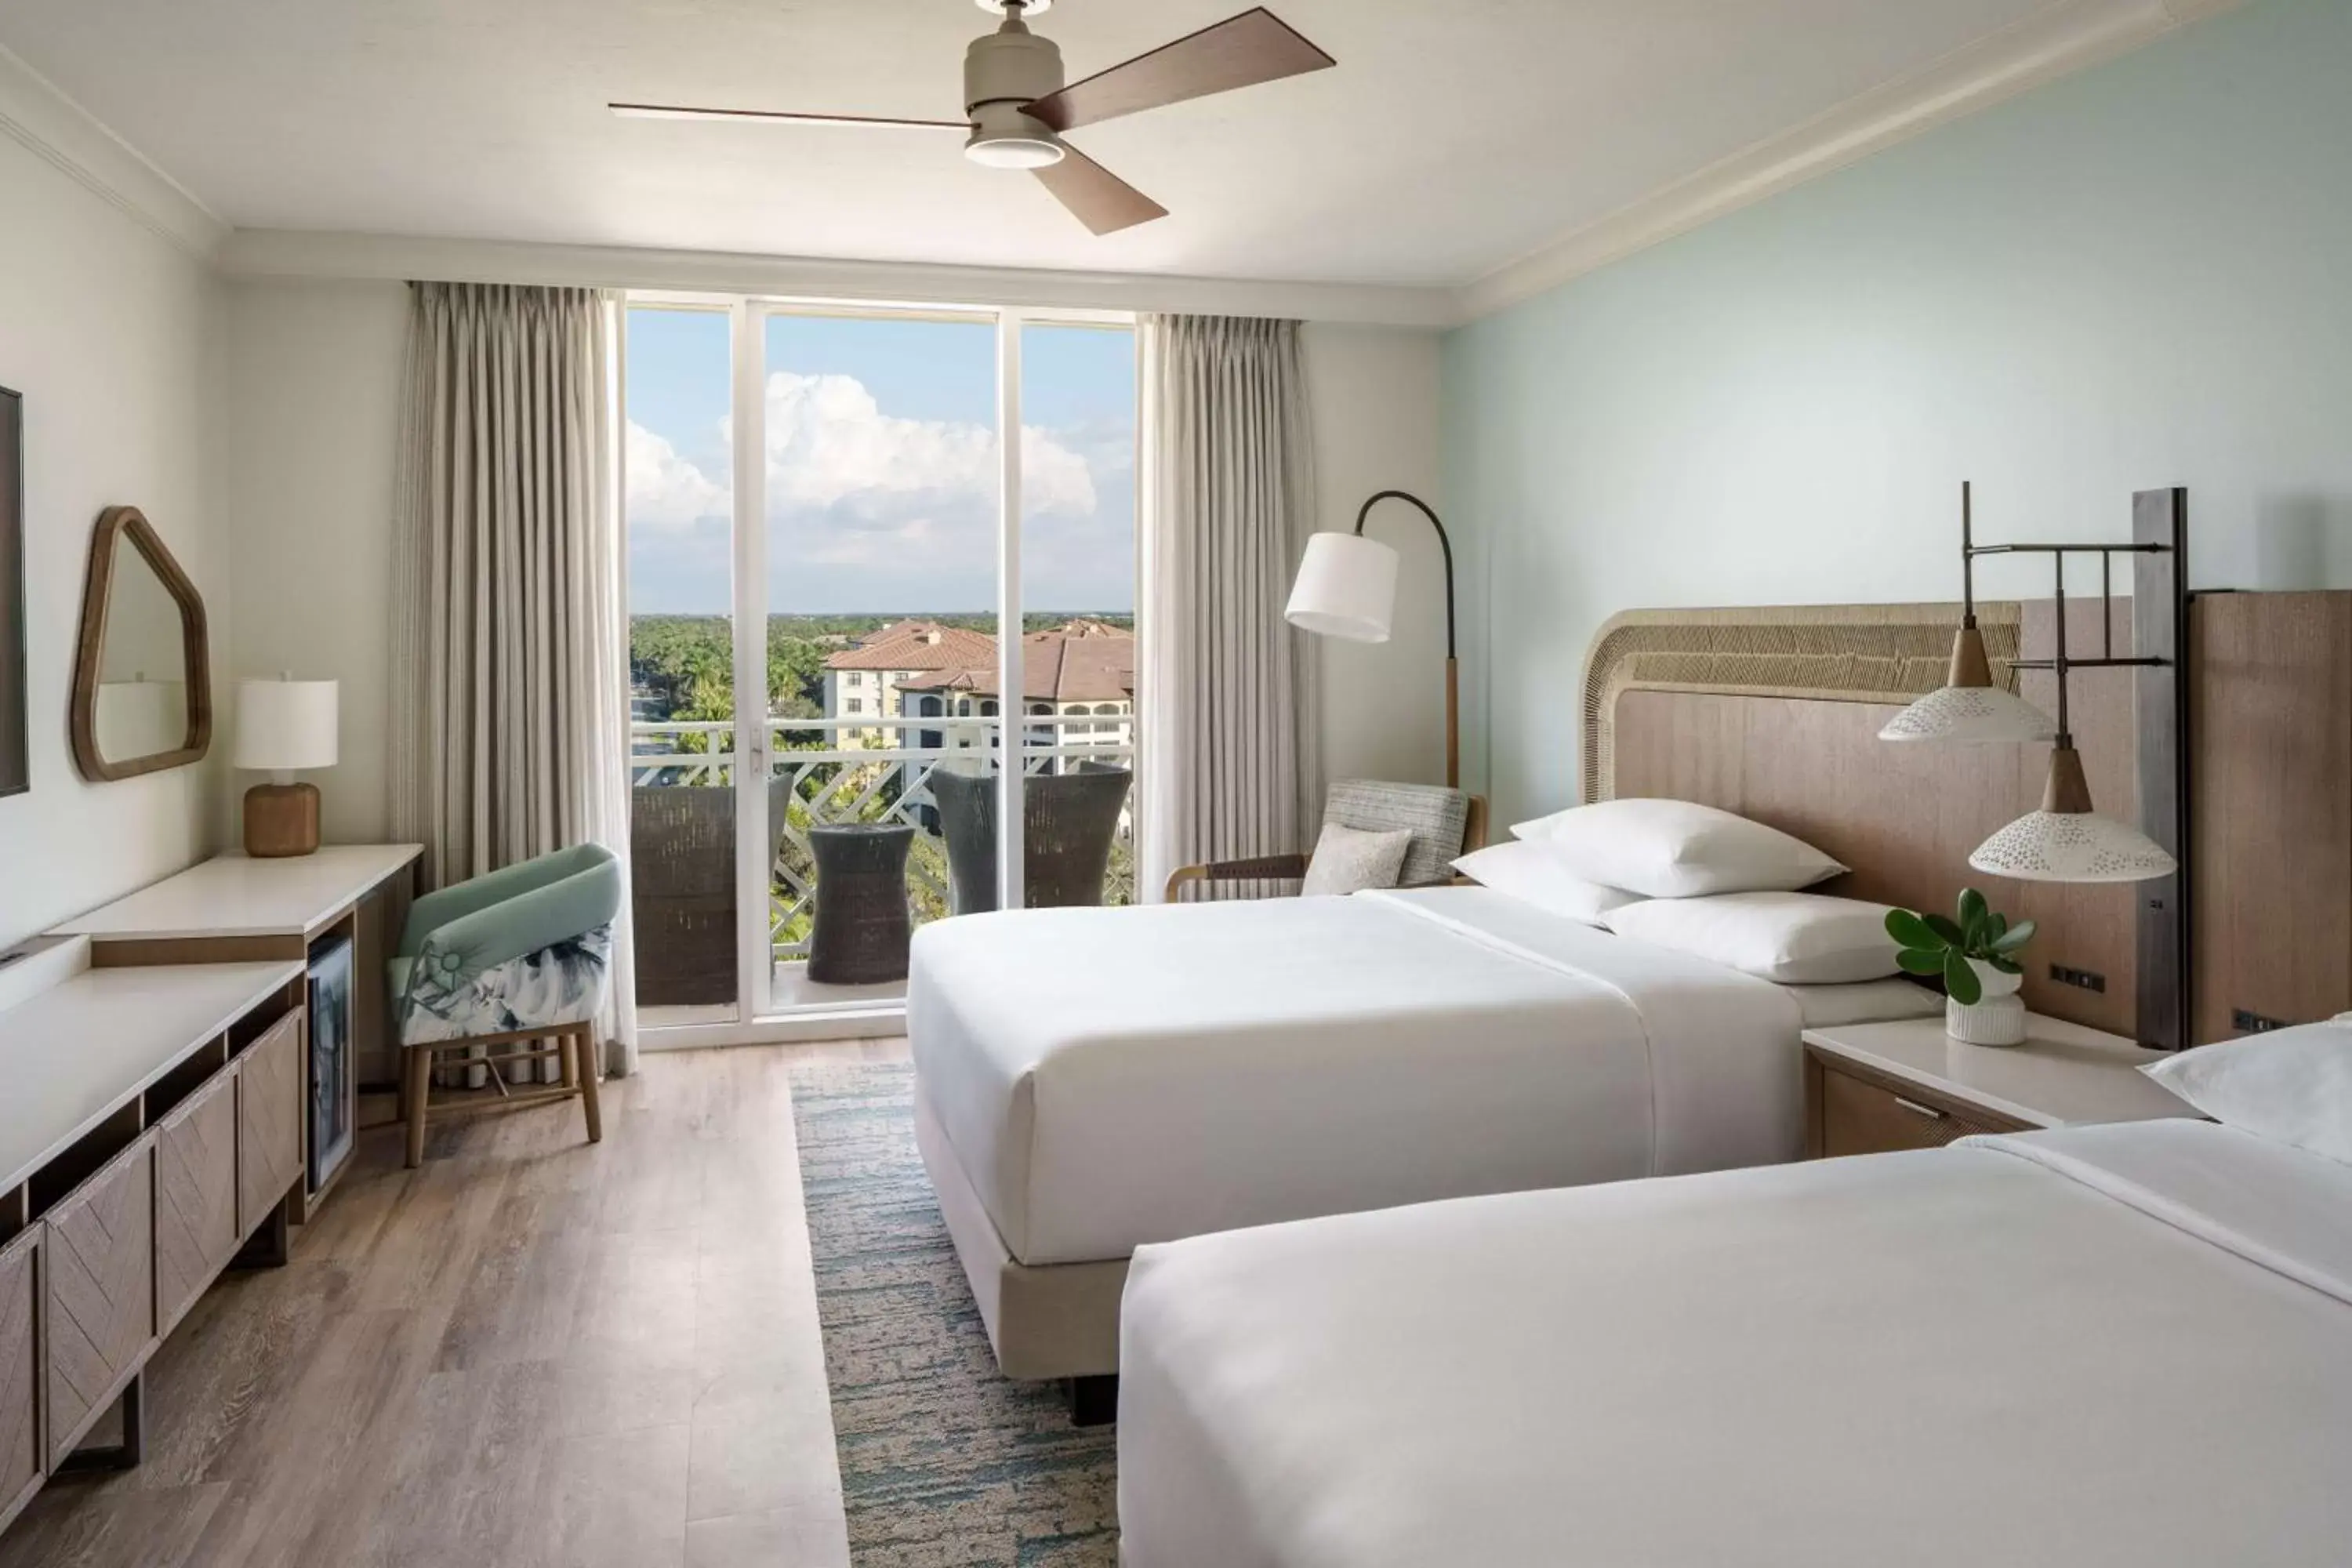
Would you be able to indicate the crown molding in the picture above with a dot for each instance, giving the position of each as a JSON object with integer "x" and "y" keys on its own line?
{"x": 2068, "y": 38}
{"x": 45, "y": 120}
{"x": 290, "y": 254}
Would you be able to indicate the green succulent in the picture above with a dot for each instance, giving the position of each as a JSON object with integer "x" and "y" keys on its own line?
{"x": 1937, "y": 946}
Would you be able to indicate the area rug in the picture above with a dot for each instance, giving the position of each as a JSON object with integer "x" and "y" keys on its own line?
{"x": 944, "y": 1462}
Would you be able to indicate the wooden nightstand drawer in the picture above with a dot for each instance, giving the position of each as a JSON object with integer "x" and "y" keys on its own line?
{"x": 1859, "y": 1116}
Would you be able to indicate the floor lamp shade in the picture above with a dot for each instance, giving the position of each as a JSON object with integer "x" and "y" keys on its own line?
{"x": 1346, "y": 588}
{"x": 283, "y": 727}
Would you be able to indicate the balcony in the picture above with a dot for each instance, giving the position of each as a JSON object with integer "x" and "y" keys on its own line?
{"x": 821, "y": 771}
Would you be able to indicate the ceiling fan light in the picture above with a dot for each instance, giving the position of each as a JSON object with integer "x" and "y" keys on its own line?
{"x": 1017, "y": 150}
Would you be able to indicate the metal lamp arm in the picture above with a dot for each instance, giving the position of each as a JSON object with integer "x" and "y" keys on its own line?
{"x": 1443, "y": 543}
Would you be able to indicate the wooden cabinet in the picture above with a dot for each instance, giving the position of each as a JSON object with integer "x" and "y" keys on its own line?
{"x": 2271, "y": 903}
{"x": 196, "y": 1230}
{"x": 1854, "y": 1113}
{"x": 98, "y": 1268}
{"x": 21, "y": 1466}
{"x": 269, "y": 1079}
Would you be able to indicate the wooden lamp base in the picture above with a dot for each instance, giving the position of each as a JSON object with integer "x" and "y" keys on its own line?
{"x": 281, "y": 820}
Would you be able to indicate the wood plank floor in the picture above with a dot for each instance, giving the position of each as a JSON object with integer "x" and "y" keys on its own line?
{"x": 529, "y": 1352}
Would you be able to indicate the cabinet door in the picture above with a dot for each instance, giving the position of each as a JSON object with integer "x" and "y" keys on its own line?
{"x": 20, "y": 1362}
{"x": 98, "y": 1260}
{"x": 268, "y": 1121}
{"x": 196, "y": 1196}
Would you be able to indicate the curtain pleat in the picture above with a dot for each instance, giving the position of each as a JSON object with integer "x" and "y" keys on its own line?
{"x": 1231, "y": 764}
{"x": 510, "y": 656}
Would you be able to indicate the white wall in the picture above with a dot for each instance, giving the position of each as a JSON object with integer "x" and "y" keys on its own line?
{"x": 314, "y": 372}
{"x": 1375, "y": 392}
{"x": 112, "y": 334}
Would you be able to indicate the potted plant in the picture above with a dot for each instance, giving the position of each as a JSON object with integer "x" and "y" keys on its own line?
{"x": 1976, "y": 957}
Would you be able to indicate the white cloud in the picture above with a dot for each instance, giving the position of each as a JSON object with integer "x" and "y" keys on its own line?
{"x": 852, "y": 485}
{"x": 665, "y": 491}
{"x": 829, "y": 442}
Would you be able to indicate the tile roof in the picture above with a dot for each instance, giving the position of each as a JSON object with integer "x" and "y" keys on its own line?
{"x": 1086, "y": 661}
{"x": 917, "y": 645}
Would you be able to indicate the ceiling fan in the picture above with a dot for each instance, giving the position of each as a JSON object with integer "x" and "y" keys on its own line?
{"x": 1016, "y": 106}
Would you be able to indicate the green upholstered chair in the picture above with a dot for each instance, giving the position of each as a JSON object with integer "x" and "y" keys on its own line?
{"x": 523, "y": 958}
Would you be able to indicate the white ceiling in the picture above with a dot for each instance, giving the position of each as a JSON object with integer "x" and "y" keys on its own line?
{"x": 1455, "y": 137}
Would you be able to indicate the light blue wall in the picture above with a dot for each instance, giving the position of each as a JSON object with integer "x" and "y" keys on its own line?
{"x": 2141, "y": 275}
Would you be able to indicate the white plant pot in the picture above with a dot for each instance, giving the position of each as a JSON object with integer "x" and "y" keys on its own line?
{"x": 1997, "y": 1019}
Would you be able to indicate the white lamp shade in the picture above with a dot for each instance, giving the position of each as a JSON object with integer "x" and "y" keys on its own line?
{"x": 1346, "y": 588}
{"x": 285, "y": 725}
{"x": 1971, "y": 714}
{"x": 2073, "y": 847}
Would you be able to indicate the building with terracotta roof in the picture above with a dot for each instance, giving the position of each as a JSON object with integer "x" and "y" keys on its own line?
{"x": 1080, "y": 676}
{"x": 864, "y": 679}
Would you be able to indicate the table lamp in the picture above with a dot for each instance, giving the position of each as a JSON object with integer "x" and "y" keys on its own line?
{"x": 283, "y": 726}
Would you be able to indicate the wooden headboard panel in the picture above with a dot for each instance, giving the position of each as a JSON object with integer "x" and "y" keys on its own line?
{"x": 1775, "y": 713}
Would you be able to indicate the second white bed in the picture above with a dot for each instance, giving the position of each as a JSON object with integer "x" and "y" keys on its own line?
{"x": 1094, "y": 1080}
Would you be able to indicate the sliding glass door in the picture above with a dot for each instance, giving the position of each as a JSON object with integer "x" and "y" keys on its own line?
{"x": 819, "y": 549}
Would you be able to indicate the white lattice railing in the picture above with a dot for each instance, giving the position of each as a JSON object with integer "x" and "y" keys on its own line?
{"x": 849, "y": 770}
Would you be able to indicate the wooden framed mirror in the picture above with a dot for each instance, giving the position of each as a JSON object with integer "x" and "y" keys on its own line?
{"x": 143, "y": 693}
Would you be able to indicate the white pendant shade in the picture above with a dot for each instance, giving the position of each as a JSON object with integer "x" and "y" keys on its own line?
{"x": 285, "y": 725}
{"x": 2073, "y": 847}
{"x": 1346, "y": 588}
{"x": 1971, "y": 714}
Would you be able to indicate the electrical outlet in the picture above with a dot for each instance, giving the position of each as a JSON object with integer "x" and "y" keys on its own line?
{"x": 2247, "y": 1023}
{"x": 2081, "y": 979}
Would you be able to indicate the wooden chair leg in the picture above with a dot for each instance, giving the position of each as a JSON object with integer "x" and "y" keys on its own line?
{"x": 585, "y": 1048}
{"x": 417, "y": 1074}
{"x": 572, "y": 1049}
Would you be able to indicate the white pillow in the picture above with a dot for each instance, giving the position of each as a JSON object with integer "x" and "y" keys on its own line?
{"x": 2290, "y": 1086}
{"x": 1348, "y": 860}
{"x": 1797, "y": 939}
{"x": 1676, "y": 849}
{"x": 1542, "y": 876}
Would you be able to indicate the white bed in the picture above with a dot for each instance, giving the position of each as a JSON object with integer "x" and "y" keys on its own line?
{"x": 2126, "y": 1346}
{"x": 1092, "y": 1081}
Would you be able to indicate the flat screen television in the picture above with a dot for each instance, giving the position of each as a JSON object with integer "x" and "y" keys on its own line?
{"x": 16, "y": 759}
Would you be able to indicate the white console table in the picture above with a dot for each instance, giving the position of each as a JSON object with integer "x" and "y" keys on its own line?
{"x": 233, "y": 909}
{"x": 150, "y": 1133}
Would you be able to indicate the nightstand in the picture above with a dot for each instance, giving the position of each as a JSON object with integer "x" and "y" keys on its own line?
{"x": 1873, "y": 1088}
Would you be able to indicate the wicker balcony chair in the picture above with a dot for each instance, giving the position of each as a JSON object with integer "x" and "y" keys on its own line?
{"x": 682, "y": 889}
{"x": 1444, "y": 824}
{"x": 1068, "y": 823}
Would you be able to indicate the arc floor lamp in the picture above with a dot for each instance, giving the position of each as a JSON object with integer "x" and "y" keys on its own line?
{"x": 1347, "y": 588}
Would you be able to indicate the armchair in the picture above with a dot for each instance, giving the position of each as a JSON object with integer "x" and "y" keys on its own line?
{"x": 1446, "y": 824}
{"x": 520, "y": 956}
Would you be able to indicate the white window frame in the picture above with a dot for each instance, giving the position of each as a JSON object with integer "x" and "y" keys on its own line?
{"x": 757, "y": 1021}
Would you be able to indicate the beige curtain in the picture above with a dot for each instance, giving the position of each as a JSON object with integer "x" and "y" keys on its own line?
{"x": 1231, "y": 761}
{"x": 510, "y": 652}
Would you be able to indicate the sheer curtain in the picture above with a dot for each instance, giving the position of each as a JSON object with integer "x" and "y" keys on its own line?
{"x": 1231, "y": 762}
{"x": 510, "y": 651}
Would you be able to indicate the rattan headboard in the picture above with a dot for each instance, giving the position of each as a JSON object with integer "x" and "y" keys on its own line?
{"x": 1774, "y": 713}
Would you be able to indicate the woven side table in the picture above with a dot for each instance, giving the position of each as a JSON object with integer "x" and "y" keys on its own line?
{"x": 861, "y": 929}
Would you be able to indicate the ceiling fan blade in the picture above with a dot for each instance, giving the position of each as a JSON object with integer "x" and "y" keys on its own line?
{"x": 1242, "y": 51}
{"x": 1097, "y": 197}
{"x": 688, "y": 111}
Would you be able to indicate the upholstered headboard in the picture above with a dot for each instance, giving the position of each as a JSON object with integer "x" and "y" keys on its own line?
{"x": 1775, "y": 712}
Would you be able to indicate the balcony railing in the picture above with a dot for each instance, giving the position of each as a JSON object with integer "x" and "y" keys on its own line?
{"x": 867, "y": 770}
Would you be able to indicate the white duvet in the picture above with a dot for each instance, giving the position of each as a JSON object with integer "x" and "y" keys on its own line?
{"x": 2119, "y": 1347}
{"x": 1112, "y": 1077}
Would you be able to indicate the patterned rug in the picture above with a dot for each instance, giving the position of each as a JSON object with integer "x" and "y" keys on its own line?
{"x": 944, "y": 1462}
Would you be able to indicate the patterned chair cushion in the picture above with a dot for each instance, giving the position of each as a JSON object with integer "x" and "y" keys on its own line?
{"x": 564, "y": 982}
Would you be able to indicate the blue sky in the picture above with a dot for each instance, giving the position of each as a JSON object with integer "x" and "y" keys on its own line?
{"x": 881, "y": 465}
